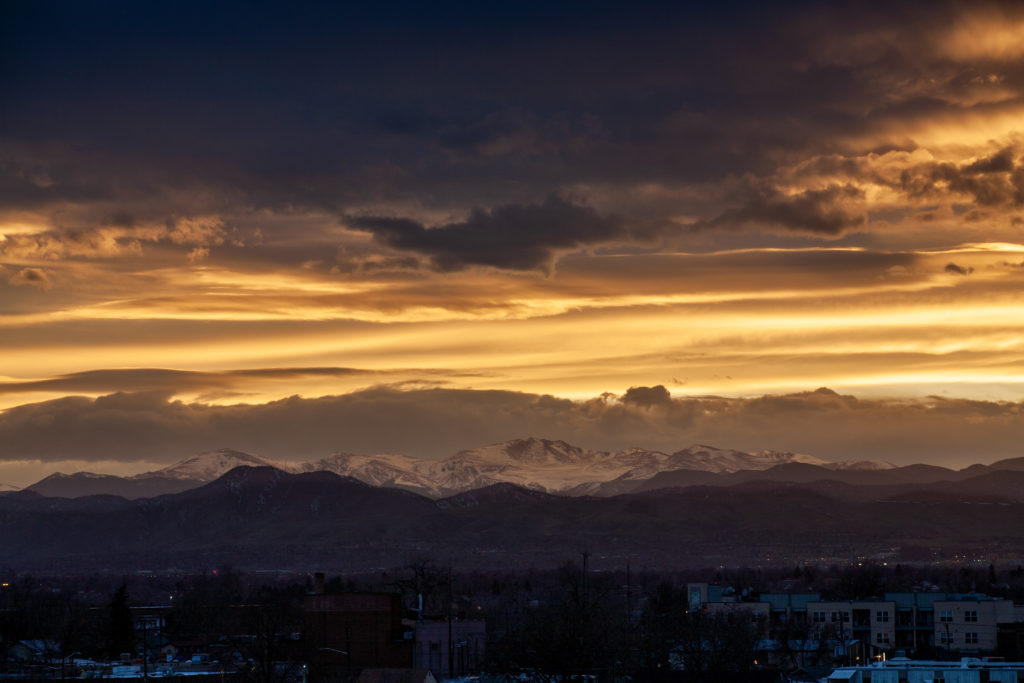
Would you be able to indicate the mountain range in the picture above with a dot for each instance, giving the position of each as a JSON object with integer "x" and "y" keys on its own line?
{"x": 266, "y": 518}
{"x": 539, "y": 464}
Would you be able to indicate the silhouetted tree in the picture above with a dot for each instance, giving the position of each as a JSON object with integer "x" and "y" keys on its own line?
{"x": 269, "y": 621}
{"x": 201, "y": 610}
{"x": 120, "y": 629}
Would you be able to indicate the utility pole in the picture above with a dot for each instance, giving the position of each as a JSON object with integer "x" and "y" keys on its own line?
{"x": 145, "y": 649}
{"x": 451, "y": 644}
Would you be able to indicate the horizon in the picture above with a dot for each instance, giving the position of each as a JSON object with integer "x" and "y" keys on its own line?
{"x": 411, "y": 228}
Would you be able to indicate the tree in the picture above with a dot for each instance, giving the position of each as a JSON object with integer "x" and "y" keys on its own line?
{"x": 269, "y": 620}
{"x": 120, "y": 629}
{"x": 718, "y": 646}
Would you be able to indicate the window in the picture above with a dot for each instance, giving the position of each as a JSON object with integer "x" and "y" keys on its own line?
{"x": 882, "y": 638}
{"x": 945, "y": 638}
{"x": 971, "y": 615}
{"x": 819, "y": 618}
{"x": 946, "y": 616}
{"x": 882, "y": 615}
{"x": 971, "y": 638}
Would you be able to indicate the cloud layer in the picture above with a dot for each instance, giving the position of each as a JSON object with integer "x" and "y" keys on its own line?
{"x": 431, "y": 423}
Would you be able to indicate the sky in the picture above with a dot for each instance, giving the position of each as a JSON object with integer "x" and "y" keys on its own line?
{"x": 297, "y": 229}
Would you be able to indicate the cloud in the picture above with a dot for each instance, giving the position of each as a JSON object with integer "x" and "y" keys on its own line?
{"x": 514, "y": 236}
{"x": 435, "y": 422}
{"x": 170, "y": 382}
{"x": 198, "y": 255}
{"x": 821, "y": 212}
{"x": 202, "y": 231}
{"x": 995, "y": 180}
{"x": 957, "y": 269}
{"x": 647, "y": 396}
{"x": 567, "y": 113}
{"x": 36, "y": 277}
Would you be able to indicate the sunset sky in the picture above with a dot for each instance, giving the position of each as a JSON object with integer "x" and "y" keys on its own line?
{"x": 420, "y": 227}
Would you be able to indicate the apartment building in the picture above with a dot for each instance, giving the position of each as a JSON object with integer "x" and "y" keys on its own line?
{"x": 908, "y": 622}
{"x": 968, "y": 623}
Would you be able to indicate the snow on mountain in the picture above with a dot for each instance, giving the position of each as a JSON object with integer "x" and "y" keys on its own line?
{"x": 872, "y": 465}
{"x": 539, "y": 464}
{"x": 208, "y": 466}
{"x": 78, "y": 475}
{"x": 555, "y": 466}
{"x": 386, "y": 469}
{"x": 719, "y": 460}
{"x": 545, "y": 465}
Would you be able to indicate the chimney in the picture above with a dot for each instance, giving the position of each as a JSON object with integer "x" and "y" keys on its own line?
{"x": 318, "y": 583}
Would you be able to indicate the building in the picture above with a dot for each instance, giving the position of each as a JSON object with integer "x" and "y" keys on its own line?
{"x": 449, "y": 649}
{"x": 912, "y": 623}
{"x": 968, "y": 623}
{"x": 902, "y": 670}
{"x": 357, "y": 630}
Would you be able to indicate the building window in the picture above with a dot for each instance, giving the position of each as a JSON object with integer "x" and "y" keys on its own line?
{"x": 971, "y": 615}
{"x": 945, "y": 638}
{"x": 882, "y": 615}
{"x": 946, "y": 616}
{"x": 882, "y": 638}
{"x": 971, "y": 638}
{"x": 819, "y": 618}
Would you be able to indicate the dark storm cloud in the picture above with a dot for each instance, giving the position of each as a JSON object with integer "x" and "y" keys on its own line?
{"x": 520, "y": 237}
{"x": 996, "y": 180}
{"x": 149, "y": 110}
{"x": 136, "y": 114}
{"x": 815, "y": 211}
{"x": 438, "y": 422}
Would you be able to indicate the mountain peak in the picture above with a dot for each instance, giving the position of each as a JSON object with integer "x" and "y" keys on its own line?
{"x": 532, "y": 449}
{"x": 210, "y": 465}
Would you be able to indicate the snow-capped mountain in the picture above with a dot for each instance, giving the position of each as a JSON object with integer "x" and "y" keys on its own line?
{"x": 556, "y": 466}
{"x": 541, "y": 464}
{"x": 546, "y": 465}
{"x": 532, "y": 463}
{"x": 205, "y": 467}
{"x": 719, "y": 460}
{"x": 394, "y": 470}
{"x": 862, "y": 465}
